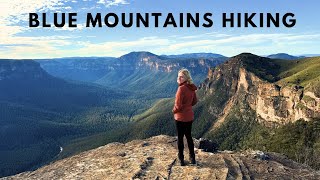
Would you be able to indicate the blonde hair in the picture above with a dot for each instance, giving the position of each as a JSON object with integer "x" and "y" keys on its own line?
{"x": 187, "y": 74}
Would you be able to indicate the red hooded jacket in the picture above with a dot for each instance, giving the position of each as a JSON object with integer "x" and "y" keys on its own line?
{"x": 185, "y": 98}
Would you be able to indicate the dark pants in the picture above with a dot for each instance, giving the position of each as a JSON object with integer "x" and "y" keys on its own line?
{"x": 184, "y": 128}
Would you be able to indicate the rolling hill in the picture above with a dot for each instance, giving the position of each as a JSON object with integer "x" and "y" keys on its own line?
{"x": 284, "y": 56}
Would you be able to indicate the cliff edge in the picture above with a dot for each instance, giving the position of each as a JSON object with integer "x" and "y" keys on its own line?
{"x": 156, "y": 158}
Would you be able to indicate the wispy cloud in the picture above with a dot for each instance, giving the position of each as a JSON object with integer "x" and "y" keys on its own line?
{"x": 109, "y": 3}
{"x": 206, "y": 35}
{"x": 55, "y": 46}
{"x": 13, "y": 11}
{"x": 63, "y": 46}
{"x": 118, "y": 48}
{"x": 17, "y": 42}
{"x": 79, "y": 27}
{"x": 244, "y": 40}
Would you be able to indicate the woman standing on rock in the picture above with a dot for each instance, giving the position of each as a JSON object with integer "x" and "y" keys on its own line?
{"x": 183, "y": 113}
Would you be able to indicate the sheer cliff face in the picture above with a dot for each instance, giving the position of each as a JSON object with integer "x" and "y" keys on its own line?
{"x": 146, "y": 60}
{"x": 18, "y": 69}
{"x": 273, "y": 104}
{"x": 156, "y": 158}
{"x": 105, "y": 70}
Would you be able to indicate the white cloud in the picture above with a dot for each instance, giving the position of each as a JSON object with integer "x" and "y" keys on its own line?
{"x": 32, "y": 47}
{"x": 48, "y": 47}
{"x": 228, "y": 44}
{"x": 13, "y": 11}
{"x": 205, "y": 35}
{"x": 118, "y": 48}
{"x": 244, "y": 40}
{"x": 8, "y": 31}
{"x": 68, "y": 8}
{"x": 109, "y": 3}
{"x": 79, "y": 27}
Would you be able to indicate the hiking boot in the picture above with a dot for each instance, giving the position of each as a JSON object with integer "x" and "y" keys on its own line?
{"x": 193, "y": 160}
{"x": 181, "y": 159}
{"x": 182, "y": 163}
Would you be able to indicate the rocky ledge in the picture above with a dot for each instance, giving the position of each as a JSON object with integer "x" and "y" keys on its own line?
{"x": 156, "y": 158}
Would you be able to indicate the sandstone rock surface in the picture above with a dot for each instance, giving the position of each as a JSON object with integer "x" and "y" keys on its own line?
{"x": 156, "y": 158}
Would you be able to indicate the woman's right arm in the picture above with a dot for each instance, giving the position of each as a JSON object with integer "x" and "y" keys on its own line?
{"x": 195, "y": 99}
{"x": 178, "y": 101}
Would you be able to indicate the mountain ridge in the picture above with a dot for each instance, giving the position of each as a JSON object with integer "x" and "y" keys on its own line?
{"x": 195, "y": 55}
{"x": 239, "y": 104}
{"x": 247, "y": 98}
{"x": 129, "y": 71}
{"x": 284, "y": 56}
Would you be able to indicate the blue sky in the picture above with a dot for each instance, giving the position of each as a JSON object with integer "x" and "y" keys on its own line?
{"x": 19, "y": 41}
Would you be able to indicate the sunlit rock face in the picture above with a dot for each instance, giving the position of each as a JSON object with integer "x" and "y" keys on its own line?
{"x": 278, "y": 104}
{"x": 274, "y": 105}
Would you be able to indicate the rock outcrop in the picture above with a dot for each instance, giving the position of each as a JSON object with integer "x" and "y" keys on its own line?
{"x": 155, "y": 158}
{"x": 273, "y": 104}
